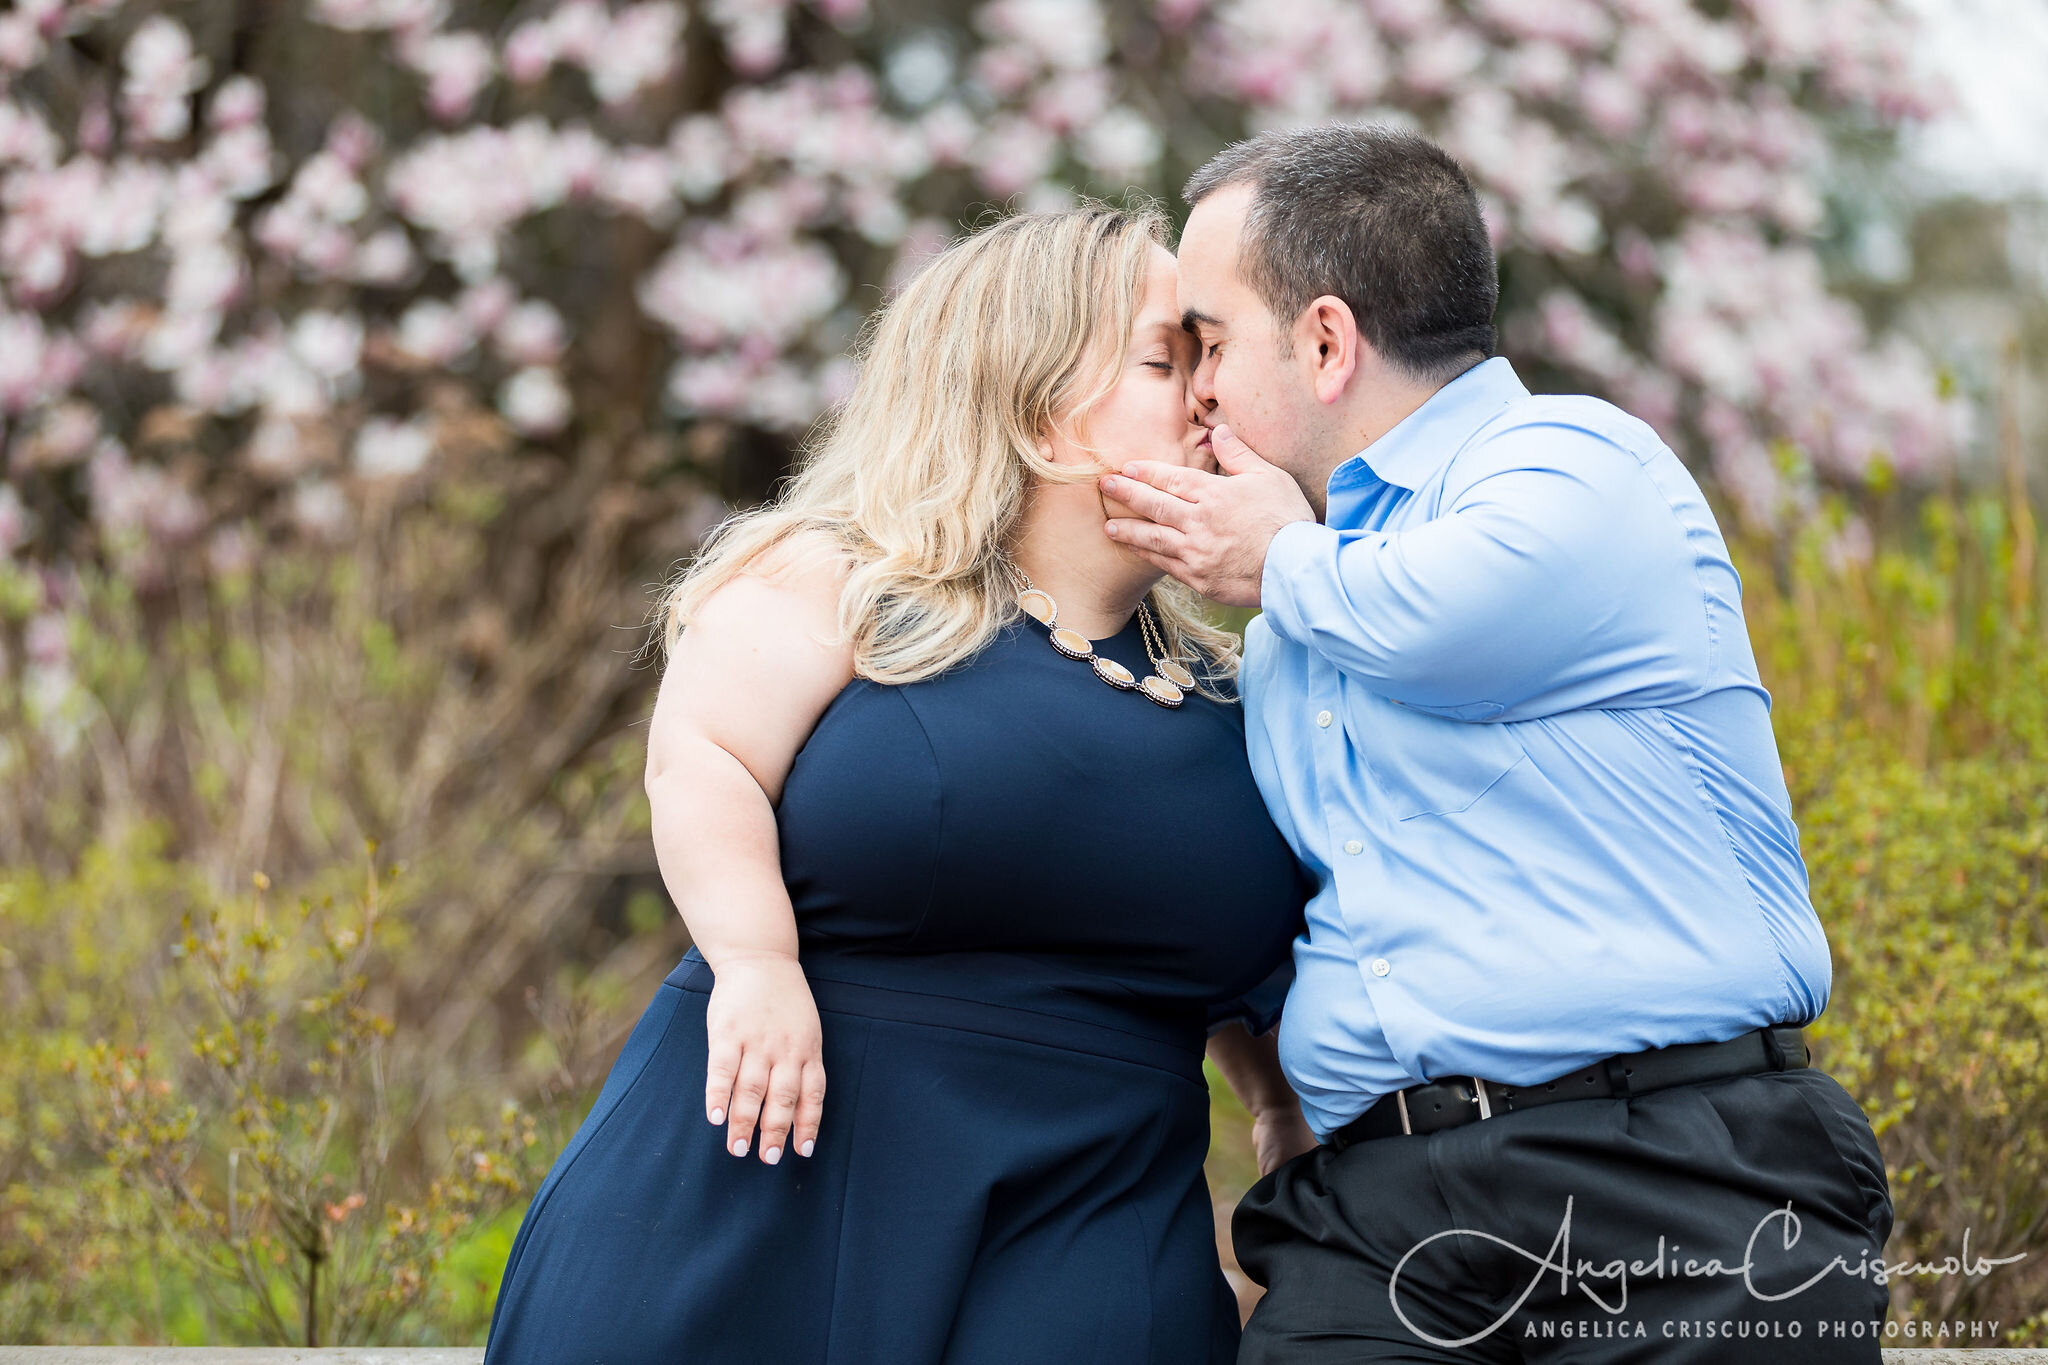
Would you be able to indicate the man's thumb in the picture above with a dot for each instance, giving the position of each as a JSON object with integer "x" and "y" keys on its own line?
{"x": 1232, "y": 455}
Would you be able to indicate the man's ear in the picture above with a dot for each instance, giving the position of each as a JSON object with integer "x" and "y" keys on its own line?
{"x": 1328, "y": 344}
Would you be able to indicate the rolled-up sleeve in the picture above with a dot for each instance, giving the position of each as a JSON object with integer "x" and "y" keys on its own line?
{"x": 1556, "y": 577}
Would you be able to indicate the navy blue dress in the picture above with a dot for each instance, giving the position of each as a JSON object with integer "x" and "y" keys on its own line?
{"x": 1022, "y": 898}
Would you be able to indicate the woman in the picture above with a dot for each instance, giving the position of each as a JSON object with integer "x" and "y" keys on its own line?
{"x": 996, "y": 890}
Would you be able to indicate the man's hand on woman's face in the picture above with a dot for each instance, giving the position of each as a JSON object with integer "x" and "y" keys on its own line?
{"x": 1208, "y": 530}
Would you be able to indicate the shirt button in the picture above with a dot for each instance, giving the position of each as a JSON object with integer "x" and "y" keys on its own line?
{"x": 1353, "y": 846}
{"x": 1380, "y": 966}
{"x": 1323, "y": 719}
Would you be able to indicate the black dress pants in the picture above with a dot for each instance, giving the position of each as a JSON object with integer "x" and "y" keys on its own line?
{"x": 1741, "y": 1219}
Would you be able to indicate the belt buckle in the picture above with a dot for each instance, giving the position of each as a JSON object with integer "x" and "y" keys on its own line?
{"x": 1478, "y": 1090}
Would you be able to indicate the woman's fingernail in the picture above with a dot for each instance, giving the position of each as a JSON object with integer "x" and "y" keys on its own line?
{"x": 740, "y": 1148}
{"x": 718, "y": 1116}
{"x": 771, "y": 1155}
{"x": 804, "y": 1148}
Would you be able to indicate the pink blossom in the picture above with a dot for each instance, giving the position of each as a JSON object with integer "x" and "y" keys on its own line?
{"x": 1613, "y": 104}
{"x": 238, "y": 160}
{"x": 530, "y": 52}
{"x": 639, "y": 51}
{"x": 710, "y": 293}
{"x": 159, "y": 70}
{"x": 1013, "y": 153}
{"x": 531, "y": 334}
{"x": 22, "y": 347}
{"x": 329, "y": 344}
{"x": 1121, "y": 145}
{"x": 535, "y": 401}
{"x": 321, "y": 511}
{"x": 237, "y": 103}
{"x": 275, "y": 450}
{"x": 16, "y": 525}
{"x": 230, "y": 551}
{"x": 353, "y": 140}
{"x": 46, "y": 639}
{"x": 712, "y": 386}
{"x": 640, "y": 181}
{"x": 385, "y": 259}
{"x": 435, "y": 332}
{"x": 389, "y": 449}
{"x": 486, "y": 304}
{"x": 1442, "y": 60}
{"x": 1538, "y": 70}
{"x": 756, "y": 33}
{"x": 1065, "y": 34}
{"x": 457, "y": 67}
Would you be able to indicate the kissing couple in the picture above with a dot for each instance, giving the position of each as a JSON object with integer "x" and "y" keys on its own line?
{"x": 1471, "y": 867}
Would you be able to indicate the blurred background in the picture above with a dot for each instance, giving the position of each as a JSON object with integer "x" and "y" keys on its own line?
{"x": 365, "y": 365}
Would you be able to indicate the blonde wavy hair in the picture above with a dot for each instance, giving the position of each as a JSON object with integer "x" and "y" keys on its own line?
{"x": 920, "y": 478}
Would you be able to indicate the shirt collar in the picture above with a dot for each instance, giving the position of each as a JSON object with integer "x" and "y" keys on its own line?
{"x": 1420, "y": 443}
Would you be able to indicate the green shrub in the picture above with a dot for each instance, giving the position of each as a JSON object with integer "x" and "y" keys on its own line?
{"x": 1911, "y": 708}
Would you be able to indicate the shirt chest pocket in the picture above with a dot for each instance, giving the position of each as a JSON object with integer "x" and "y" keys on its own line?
{"x": 1430, "y": 765}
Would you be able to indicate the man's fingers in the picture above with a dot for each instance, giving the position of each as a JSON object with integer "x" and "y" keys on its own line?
{"x": 1175, "y": 479}
{"x": 1167, "y": 508}
{"x": 1144, "y": 536}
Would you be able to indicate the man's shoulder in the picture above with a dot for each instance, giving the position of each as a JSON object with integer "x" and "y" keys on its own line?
{"x": 1587, "y": 435}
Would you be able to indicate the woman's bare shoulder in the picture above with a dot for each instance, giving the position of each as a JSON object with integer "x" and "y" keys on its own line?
{"x": 762, "y": 657}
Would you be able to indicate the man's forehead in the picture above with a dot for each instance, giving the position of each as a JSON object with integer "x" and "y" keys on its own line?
{"x": 1214, "y": 223}
{"x": 1208, "y": 255}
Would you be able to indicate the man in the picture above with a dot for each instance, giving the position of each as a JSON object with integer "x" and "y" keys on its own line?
{"x": 1501, "y": 700}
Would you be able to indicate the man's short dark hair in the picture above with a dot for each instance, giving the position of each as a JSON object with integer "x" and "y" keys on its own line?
{"x": 1382, "y": 219}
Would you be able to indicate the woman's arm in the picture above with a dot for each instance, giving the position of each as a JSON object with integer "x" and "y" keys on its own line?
{"x": 1252, "y": 1066}
{"x": 742, "y": 691}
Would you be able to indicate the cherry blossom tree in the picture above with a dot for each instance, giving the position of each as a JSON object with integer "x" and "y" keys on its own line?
{"x": 302, "y": 247}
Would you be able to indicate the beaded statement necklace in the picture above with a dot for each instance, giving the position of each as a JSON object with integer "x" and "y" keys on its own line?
{"x": 1170, "y": 679}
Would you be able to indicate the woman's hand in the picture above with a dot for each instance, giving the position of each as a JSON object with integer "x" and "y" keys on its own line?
{"x": 766, "y": 1061}
{"x": 744, "y": 686}
{"x": 1280, "y": 1134}
{"x": 1251, "y": 1065}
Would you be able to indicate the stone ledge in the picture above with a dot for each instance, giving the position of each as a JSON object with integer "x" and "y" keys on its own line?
{"x": 473, "y": 1355}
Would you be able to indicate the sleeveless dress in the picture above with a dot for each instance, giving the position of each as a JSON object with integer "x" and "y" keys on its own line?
{"x": 1023, "y": 897}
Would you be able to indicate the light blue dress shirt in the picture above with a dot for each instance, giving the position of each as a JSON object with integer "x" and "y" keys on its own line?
{"x": 1502, "y": 703}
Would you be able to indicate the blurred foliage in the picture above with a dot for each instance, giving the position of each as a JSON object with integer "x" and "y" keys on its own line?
{"x": 200, "y": 1102}
{"x": 1911, "y": 708}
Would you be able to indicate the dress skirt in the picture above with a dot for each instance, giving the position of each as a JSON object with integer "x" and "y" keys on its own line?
{"x": 1004, "y": 1173}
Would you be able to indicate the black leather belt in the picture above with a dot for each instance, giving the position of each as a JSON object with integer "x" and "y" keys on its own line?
{"x": 1436, "y": 1105}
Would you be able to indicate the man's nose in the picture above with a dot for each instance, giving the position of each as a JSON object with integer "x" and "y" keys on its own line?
{"x": 1202, "y": 389}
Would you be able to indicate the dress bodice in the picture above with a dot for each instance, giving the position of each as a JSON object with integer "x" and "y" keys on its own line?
{"x": 1017, "y": 806}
